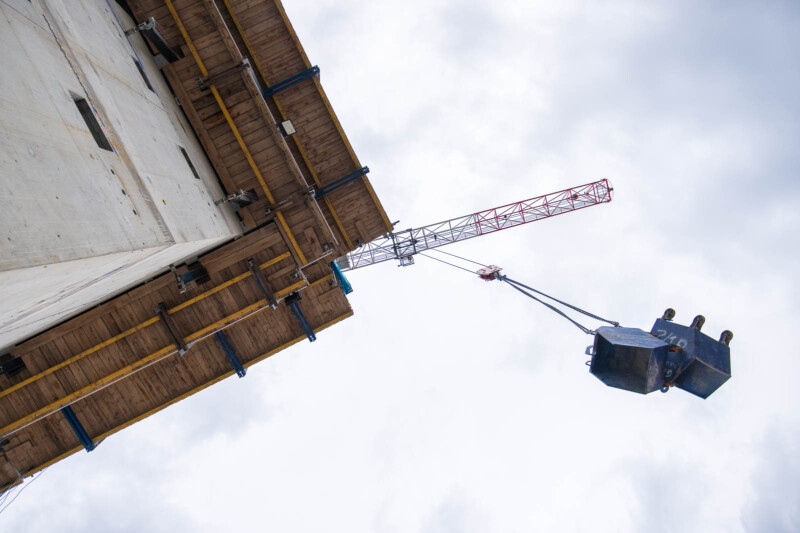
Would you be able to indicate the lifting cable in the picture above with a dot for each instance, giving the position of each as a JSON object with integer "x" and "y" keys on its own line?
{"x": 549, "y": 306}
{"x": 521, "y": 288}
{"x": 574, "y": 308}
{"x": 446, "y": 263}
{"x": 458, "y": 257}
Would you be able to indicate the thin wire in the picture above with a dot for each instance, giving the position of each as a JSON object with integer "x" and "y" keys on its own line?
{"x": 551, "y": 307}
{"x": 446, "y": 263}
{"x": 574, "y": 308}
{"x": 6, "y": 506}
{"x": 20, "y": 491}
{"x": 7, "y": 491}
{"x": 457, "y": 256}
{"x": 7, "y": 495}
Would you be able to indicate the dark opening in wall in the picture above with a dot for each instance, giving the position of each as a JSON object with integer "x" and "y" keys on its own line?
{"x": 144, "y": 76}
{"x": 91, "y": 122}
{"x": 189, "y": 162}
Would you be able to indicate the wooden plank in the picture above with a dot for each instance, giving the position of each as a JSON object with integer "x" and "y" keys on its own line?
{"x": 319, "y": 151}
{"x": 202, "y": 133}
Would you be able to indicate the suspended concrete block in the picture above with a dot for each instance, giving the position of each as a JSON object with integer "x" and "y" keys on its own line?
{"x": 629, "y": 359}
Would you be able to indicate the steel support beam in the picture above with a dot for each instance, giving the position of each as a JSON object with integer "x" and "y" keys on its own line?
{"x": 292, "y": 301}
{"x": 230, "y": 354}
{"x": 172, "y": 328}
{"x": 263, "y": 285}
{"x": 77, "y": 427}
{"x": 291, "y": 81}
{"x": 341, "y": 182}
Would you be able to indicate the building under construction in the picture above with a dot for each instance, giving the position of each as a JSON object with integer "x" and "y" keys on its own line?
{"x": 196, "y": 148}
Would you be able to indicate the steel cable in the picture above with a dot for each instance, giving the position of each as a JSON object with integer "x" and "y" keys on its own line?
{"x": 446, "y": 263}
{"x": 521, "y": 286}
{"x": 457, "y": 256}
{"x": 574, "y": 308}
{"x": 549, "y": 306}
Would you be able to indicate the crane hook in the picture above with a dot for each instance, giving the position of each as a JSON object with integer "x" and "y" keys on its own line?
{"x": 488, "y": 273}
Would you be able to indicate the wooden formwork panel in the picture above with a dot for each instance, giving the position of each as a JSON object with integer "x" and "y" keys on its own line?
{"x": 214, "y": 36}
{"x": 121, "y": 361}
{"x": 118, "y": 363}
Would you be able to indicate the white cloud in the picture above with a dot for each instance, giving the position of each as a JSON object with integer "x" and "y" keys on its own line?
{"x": 448, "y": 402}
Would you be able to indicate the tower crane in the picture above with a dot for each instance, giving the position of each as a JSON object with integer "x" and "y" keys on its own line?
{"x": 626, "y": 358}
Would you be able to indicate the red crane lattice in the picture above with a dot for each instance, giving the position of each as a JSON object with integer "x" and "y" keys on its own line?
{"x": 402, "y": 245}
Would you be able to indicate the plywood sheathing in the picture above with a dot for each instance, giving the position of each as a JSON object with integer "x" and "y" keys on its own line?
{"x": 117, "y": 363}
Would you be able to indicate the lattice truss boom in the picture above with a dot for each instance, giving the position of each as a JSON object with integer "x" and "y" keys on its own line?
{"x": 403, "y": 245}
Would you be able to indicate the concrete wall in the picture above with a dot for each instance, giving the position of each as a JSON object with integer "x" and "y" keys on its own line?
{"x": 79, "y": 223}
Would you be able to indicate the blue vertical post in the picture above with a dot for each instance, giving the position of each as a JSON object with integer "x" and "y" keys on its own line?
{"x": 77, "y": 427}
{"x": 340, "y": 279}
{"x": 230, "y": 354}
{"x": 292, "y": 301}
{"x": 341, "y": 182}
{"x": 290, "y": 81}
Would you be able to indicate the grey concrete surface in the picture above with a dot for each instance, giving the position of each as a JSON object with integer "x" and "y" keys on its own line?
{"x": 79, "y": 223}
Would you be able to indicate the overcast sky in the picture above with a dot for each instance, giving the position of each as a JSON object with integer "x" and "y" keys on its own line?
{"x": 448, "y": 404}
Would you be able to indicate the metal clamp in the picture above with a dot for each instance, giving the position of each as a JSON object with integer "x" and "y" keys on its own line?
{"x": 171, "y": 327}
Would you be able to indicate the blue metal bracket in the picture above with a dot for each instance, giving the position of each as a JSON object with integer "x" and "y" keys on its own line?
{"x": 77, "y": 427}
{"x": 293, "y": 302}
{"x": 272, "y": 90}
{"x": 340, "y": 279}
{"x": 230, "y": 354}
{"x": 341, "y": 182}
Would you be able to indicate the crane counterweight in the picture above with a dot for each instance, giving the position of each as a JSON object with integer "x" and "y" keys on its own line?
{"x": 669, "y": 355}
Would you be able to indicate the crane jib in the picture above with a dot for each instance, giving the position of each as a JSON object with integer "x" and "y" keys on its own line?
{"x": 403, "y": 245}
